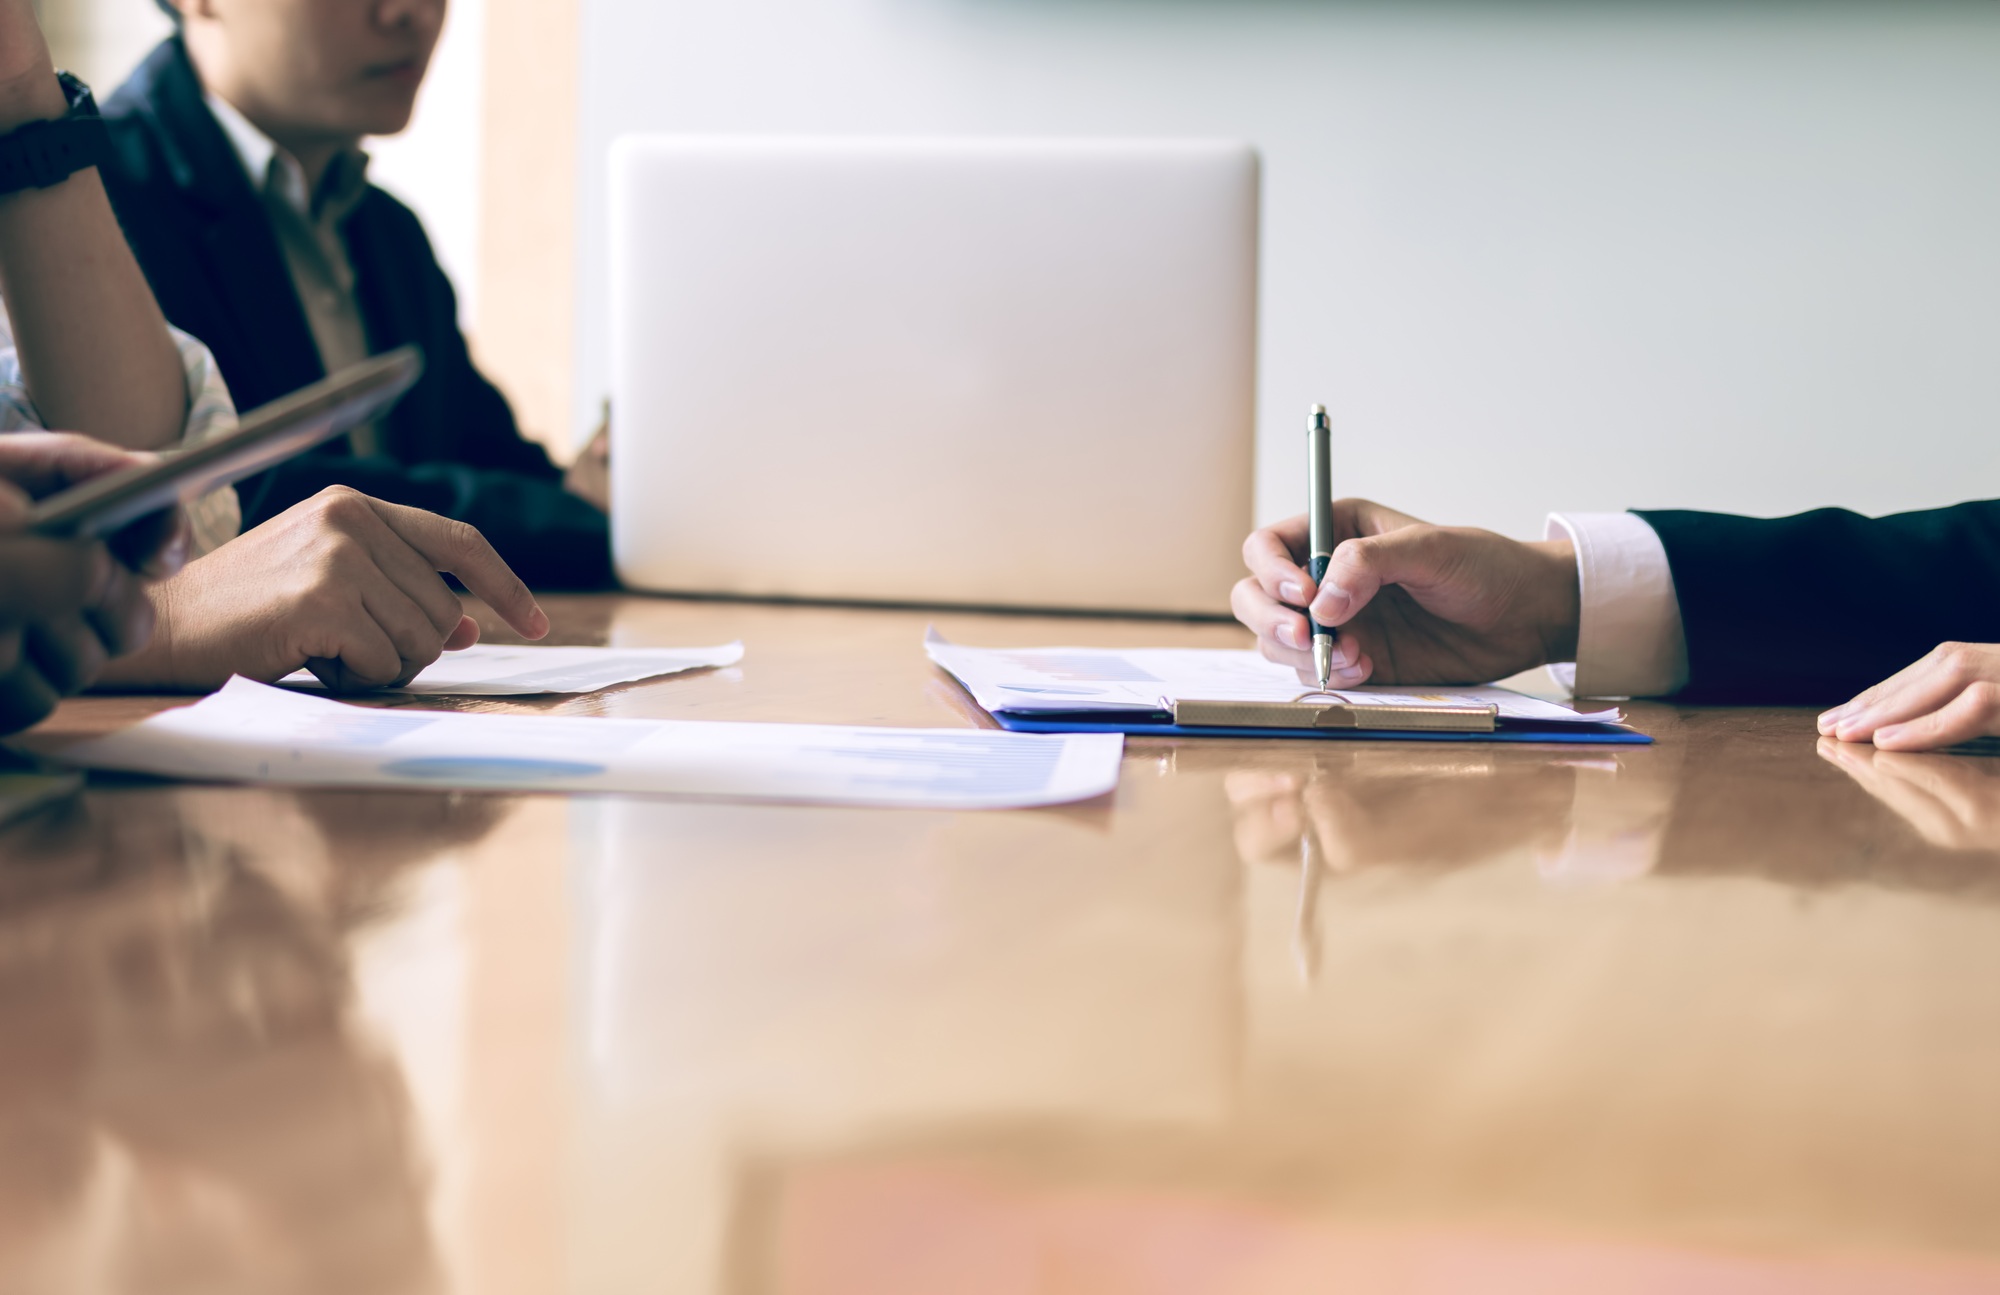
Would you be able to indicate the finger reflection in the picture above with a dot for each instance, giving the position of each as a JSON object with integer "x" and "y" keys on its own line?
{"x": 185, "y": 1102}
{"x": 1372, "y": 806}
{"x": 1363, "y": 807}
{"x": 1953, "y": 801}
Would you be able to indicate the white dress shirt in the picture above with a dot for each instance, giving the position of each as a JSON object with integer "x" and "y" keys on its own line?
{"x": 308, "y": 229}
{"x": 1629, "y": 642}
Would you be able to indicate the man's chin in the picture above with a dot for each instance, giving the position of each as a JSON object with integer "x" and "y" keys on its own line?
{"x": 386, "y": 122}
{"x": 385, "y": 106}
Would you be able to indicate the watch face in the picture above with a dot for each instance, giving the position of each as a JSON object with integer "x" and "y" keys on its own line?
{"x": 81, "y": 102}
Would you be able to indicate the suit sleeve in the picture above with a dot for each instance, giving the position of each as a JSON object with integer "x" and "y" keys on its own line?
{"x": 488, "y": 437}
{"x": 1811, "y": 609}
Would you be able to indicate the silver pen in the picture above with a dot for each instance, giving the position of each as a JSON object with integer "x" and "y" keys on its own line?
{"x": 1319, "y": 534}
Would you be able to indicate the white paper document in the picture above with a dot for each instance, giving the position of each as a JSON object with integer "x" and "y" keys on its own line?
{"x": 1152, "y": 679}
{"x": 492, "y": 671}
{"x": 250, "y": 732}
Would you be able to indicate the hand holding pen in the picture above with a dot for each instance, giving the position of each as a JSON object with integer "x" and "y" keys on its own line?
{"x": 1413, "y": 603}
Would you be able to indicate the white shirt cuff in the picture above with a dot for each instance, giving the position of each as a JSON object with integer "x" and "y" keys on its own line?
{"x": 1629, "y": 640}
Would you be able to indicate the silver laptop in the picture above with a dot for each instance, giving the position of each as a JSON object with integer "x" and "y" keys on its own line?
{"x": 961, "y": 371}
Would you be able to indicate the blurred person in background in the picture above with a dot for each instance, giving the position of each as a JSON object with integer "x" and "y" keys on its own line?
{"x": 240, "y": 180}
{"x": 343, "y": 584}
{"x": 1702, "y": 607}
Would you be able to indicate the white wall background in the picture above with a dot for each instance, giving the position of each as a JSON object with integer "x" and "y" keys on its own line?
{"x": 101, "y": 40}
{"x": 1576, "y": 253}
{"x": 434, "y": 165}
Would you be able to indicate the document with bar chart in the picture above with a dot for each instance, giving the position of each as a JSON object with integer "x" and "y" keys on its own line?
{"x": 250, "y": 732}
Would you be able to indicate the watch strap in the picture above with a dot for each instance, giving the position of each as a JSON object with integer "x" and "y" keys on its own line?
{"x": 41, "y": 154}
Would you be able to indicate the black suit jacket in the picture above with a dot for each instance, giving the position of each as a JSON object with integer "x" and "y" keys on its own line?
{"x": 207, "y": 247}
{"x": 1814, "y": 608}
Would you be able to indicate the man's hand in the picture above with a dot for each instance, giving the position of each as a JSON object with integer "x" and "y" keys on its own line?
{"x": 1414, "y": 603}
{"x": 344, "y": 585}
{"x": 1952, "y": 695}
{"x": 68, "y": 606}
{"x": 589, "y": 478}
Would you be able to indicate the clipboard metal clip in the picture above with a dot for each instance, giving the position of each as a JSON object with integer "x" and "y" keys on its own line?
{"x": 1335, "y": 713}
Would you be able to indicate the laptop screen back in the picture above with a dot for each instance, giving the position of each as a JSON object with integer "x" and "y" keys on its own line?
{"x": 977, "y": 372}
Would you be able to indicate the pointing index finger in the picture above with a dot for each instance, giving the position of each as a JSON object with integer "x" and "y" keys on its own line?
{"x": 461, "y": 550}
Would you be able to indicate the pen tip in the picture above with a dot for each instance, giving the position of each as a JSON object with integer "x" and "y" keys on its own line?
{"x": 1319, "y": 411}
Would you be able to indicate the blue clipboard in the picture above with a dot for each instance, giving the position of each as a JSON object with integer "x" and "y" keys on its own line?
{"x": 1160, "y": 724}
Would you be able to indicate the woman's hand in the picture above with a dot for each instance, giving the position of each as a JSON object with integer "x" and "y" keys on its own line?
{"x": 1952, "y": 695}
{"x": 67, "y": 607}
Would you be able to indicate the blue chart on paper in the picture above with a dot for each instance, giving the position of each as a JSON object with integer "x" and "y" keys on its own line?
{"x": 497, "y": 769}
{"x": 360, "y": 726}
{"x": 950, "y": 762}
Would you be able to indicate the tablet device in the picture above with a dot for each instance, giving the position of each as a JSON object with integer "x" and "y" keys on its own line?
{"x": 269, "y": 435}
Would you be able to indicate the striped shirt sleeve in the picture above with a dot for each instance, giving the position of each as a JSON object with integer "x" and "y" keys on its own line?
{"x": 214, "y": 518}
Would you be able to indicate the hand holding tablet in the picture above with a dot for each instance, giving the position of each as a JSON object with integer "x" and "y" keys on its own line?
{"x": 286, "y": 427}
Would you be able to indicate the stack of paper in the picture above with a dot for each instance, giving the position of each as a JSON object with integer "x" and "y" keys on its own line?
{"x": 249, "y": 732}
{"x": 1134, "y": 689}
{"x": 483, "y": 670}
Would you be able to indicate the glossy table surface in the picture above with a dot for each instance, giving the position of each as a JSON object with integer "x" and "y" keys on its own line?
{"x": 1718, "y": 1014}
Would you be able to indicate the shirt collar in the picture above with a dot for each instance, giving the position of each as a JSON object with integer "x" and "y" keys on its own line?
{"x": 272, "y": 169}
{"x": 253, "y": 147}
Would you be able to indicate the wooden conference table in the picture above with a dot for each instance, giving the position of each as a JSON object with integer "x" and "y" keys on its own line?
{"x": 1717, "y": 1014}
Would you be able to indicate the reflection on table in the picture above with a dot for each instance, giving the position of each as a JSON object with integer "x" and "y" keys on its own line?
{"x": 1953, "y": 801}
{"x": 1283, "y": 1016}
{"x": 1583, "y": 815}
{"x": 184, "y": 1098}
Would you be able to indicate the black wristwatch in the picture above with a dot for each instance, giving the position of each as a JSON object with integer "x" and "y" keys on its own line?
{"x": 45, "y": 153}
